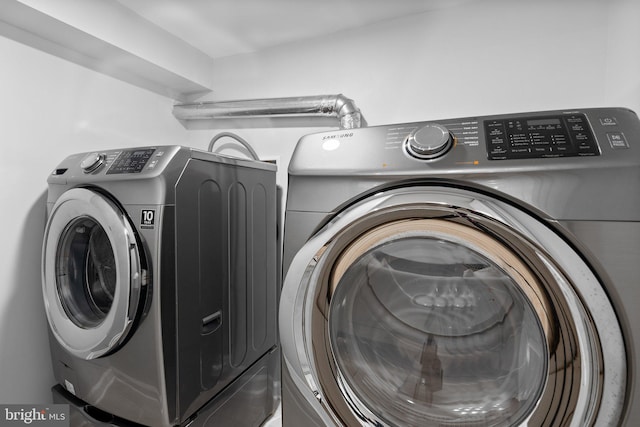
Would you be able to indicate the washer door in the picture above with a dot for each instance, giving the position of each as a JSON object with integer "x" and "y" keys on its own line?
{"x": 92, "y": 276}
{"x": 442, "y": 306}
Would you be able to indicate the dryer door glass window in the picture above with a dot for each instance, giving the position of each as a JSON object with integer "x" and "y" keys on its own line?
{"x": 425, "y": 330}
{"x": 86, "y": 272}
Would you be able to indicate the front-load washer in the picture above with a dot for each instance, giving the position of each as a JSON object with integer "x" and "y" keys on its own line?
{"x": 479, "y": 271}
{"x": 160, "y": 285}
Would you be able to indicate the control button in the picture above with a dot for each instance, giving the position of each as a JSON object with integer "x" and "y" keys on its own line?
{"x": 617, "y": 140}
{"x": 520, "y": 150}
{"x": 608, "y": 121}
{"x": 429, "y": 142}
{"x": 92, "y": 162}
{"x": 585, "y": 146}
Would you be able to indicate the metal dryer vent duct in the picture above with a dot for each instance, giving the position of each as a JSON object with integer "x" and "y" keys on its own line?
{"x": 339, "y": 106}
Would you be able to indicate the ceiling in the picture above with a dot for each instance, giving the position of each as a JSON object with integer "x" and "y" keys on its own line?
{"x": 169, "y": 46}
{"x": 222, "y": 28}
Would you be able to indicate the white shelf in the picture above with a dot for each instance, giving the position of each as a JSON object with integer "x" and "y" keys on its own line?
{"x": 109, "y": 38}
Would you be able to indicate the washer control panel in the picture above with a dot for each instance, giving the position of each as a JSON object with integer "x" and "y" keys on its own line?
{"x": 131, "y": 161}
{"x": 92, "y": 162}
{"x": 120, "y": 161}
{"x": 531, "y": 137}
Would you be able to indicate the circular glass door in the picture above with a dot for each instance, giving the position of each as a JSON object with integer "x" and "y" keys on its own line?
{"x": 92, "y": 274}
{"x": 442, "y": 306}
{"x": 86, "y": 272}
{"x": 425, "y": 328}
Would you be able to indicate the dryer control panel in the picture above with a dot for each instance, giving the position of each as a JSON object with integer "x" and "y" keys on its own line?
{"x": 539, "y": 136}
{"x": 549, "y": 139}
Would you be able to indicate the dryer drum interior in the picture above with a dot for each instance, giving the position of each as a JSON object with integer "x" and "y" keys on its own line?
{"x": 470, "y": 312}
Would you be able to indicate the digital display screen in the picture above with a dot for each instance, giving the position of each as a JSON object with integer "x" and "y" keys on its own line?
{"x": 132, "y": 161}
{"x": 544, "y": 122}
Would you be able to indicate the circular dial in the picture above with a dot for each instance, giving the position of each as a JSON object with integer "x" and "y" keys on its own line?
{"x": 429, "y": 142}
{"x": 92, "y": 162}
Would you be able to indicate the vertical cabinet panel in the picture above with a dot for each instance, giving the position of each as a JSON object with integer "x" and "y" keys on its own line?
{"x": 238, "y": 292}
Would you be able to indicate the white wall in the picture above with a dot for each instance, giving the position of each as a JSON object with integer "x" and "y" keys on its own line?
{"x": 622, "y": 62}
{"x": 486, "y": 56}
{"x": 483, "y": 57}
{"x": 50, "y": 108}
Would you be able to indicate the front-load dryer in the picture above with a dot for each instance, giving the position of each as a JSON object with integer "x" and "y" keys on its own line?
{"x": 479, "y": 271}
{"x": 160, "y": 287}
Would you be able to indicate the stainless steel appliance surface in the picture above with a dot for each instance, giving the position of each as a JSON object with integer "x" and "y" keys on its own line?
{"x": 479, "y": 271}
{"x": 160, "y": 283}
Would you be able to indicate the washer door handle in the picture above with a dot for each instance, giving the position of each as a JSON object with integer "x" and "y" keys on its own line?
{"x": 211, "y": 322}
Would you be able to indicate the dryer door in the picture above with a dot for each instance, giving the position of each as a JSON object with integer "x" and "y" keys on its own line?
{"x": 91, "y": 273}
{"x": 442, "y": 306}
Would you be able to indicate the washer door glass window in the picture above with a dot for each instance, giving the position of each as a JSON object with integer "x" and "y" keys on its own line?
{"x": 86, "y": 272}
{"x": 429, "y": 330}
{"x": 93, "y": 277}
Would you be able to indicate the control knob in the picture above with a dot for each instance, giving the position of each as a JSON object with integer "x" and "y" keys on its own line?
{"x": 92, "y": 162}
{"x": 429, "y": 142}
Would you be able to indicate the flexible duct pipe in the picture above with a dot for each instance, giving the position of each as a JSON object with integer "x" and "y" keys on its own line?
{"x": 337, "y": 106}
